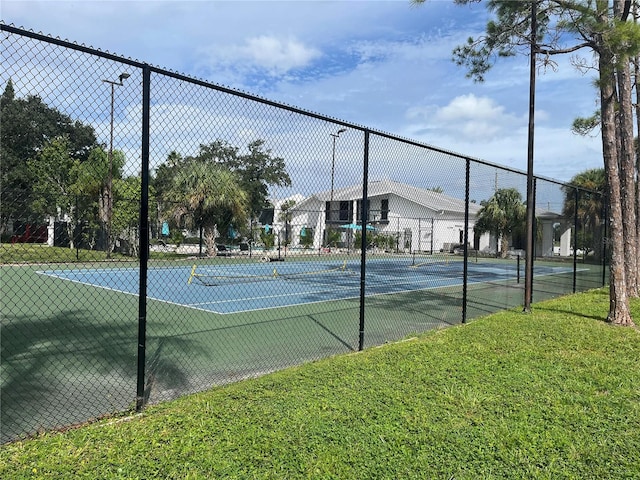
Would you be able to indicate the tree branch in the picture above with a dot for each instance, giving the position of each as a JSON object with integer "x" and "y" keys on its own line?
{"x": 558, "y": 51}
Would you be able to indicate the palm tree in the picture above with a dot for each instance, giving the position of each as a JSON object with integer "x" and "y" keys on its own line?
{"x": 207, "y": 195}
{"x": 503, "y": 214}
{"x": 590, "y": 206}
{"x": 285, "y": 217}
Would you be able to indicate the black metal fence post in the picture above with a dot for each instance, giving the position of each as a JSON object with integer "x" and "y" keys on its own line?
{"x": 534, "y": 239}
{"x": 465, "y": 273}
{"x": 144, "y": 238}
{"x": 363, "y": 251}
{"x": 575, "y": 238}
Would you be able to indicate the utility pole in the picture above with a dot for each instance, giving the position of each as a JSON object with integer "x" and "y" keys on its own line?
{"x": 528, "y": 268}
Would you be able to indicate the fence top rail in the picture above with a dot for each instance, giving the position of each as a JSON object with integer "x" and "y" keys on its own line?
{"x": 204, "y": 83}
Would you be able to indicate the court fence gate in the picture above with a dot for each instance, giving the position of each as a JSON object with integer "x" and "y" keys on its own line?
{"x": 161, "y": 235}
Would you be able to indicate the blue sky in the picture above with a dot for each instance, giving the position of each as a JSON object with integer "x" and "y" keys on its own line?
{"x": 381, "y": 64}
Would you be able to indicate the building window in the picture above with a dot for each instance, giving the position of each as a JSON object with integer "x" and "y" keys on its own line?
{"x": 339, "y": 211}
{"x": 359, "y": 211}
{"x": 328, "y": 212}
{"x": 384, "y": 209}
{"x": 345, "y": 211}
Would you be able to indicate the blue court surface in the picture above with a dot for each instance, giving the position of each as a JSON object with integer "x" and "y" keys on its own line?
{"x": 225, "y": 289}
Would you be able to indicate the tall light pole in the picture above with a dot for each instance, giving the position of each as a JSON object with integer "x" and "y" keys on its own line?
{"x": 333, "y": 169}
{"x": 333, "y": 159}
{"x": 108, "y": 202}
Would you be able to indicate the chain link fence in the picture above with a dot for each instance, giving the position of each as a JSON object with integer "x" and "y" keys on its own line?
{"x": 162, "y": 235}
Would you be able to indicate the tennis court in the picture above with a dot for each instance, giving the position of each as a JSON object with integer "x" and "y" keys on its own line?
{"x": 73, "y": 331}
{"x": 236, "y": 288}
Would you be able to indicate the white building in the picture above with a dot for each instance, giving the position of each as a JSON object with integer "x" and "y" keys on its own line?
{"x": 545, "y": 241}
{"x": 418, "y": 219}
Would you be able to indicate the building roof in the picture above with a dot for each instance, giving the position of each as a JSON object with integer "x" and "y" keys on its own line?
{"x": 548, "y": 215}
{"x": 426, "y": 198}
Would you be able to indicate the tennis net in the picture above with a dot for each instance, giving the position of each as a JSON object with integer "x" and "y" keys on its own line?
{"x": 212, "y": 277}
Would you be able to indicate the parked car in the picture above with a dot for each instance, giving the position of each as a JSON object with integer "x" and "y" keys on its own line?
{"x": 457, "y": 248}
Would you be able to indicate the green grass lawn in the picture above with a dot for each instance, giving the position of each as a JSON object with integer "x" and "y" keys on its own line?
{"x": 42, "y": 253}
{"x": 553, "y": 394}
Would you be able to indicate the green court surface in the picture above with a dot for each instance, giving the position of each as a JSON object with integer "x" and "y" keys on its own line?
{"x": 69, "y": 345}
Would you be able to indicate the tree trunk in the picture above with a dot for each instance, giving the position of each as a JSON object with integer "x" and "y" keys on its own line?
{"x": 504, "y": 246}
{"x": 636, "y": 154}
{"x": 103, "y": 214}
{"x": 71, "y": 227}
{"x": 619, "y": 313}
{"x": 210, "y": 240}
{"x": 627, "y": 172}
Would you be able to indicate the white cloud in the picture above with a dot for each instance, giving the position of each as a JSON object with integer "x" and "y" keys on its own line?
{"x": 468, "y": 107}
{"x": 469, "y": 117}
{"x": 274, "y": 55}
{"x": 557, "y": 154}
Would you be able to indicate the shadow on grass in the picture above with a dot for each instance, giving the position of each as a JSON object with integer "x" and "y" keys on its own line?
{"x": 571, "y": 312}
{"x": 603, "y": 293}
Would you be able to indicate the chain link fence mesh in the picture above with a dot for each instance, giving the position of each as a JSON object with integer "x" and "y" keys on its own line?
{"x": 276, "y": 236}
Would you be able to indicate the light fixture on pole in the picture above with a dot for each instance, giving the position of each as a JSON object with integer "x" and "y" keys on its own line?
{"x": 108, "y": 193}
